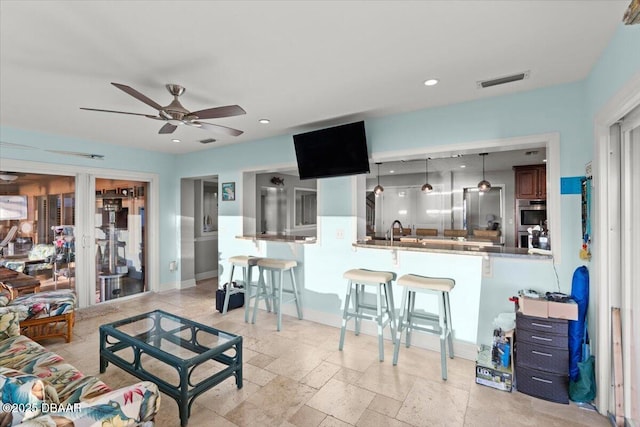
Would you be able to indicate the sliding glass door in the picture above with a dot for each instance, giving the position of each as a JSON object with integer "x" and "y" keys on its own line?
{"x": 120, "y": 238}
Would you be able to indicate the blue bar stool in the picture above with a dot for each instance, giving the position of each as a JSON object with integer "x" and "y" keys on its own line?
{"x": 273, "y": 266}
{"x": 439, "y": 324}
{"x": 384, "y": 309}
{"x": 246, "y": 263}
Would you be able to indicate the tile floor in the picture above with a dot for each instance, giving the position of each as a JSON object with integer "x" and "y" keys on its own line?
{"x": 297, "y": 377}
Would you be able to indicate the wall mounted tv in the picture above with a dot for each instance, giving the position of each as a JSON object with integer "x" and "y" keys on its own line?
{"x": 336, "y": 151}
{"x": 13, "y": 207}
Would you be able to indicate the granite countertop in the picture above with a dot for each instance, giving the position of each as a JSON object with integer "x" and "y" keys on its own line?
{"x": 279, "y": 238}
{"x": 452, "y": 246}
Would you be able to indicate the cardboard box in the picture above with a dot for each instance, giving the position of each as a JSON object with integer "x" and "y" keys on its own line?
{"x": 489, "y": 375}
{"x": 537, "y": 307}
{"x": 563, "y": 310}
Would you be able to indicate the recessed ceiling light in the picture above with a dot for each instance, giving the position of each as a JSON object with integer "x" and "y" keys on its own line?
{"x": 463, "y": 166}
{"x": 391, "y": 171}
{"x": 175, "y": 140}
{"x": 264, "y": 121}
{"x": 431, "y": 82}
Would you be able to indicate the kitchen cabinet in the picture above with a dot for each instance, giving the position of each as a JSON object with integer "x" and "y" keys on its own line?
{"x": 542, "y": 357}
{"x": 531, "y": 182}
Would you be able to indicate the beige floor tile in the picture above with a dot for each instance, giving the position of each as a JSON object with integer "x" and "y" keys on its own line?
{"x": 384, "y": 379}
{"x": 345, "y": 402}
{"x": 282, "y": 397}
{"x": 385, "y": 405}
{"x": 249, "y": 415}
{"x": 226, "y": 396}
{"x": 320, "y": 375}
{"x": 307, "y": 417}
{"x": 372, "y": 418}
{"x": 257, "y": 375}
{"x": 333, "y": 422}
{"x": 434, "y": 404}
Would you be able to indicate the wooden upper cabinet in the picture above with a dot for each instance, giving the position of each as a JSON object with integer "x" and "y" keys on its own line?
{"x": 531, "y": 182}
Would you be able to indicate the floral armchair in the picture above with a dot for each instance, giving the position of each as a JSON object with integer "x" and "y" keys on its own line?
{"x": 38, "y": 388}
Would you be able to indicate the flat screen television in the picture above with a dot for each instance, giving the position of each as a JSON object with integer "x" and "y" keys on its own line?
{"x": 336, "y": 151}
{"x": 13, "y": 207}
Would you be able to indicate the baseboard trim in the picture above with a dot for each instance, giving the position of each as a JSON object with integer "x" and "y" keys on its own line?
{"x": 206, "y": 275}
{"x": 463, "y": 349}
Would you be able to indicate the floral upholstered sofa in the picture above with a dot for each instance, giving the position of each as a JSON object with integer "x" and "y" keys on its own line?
{"x": 38, "y": 388}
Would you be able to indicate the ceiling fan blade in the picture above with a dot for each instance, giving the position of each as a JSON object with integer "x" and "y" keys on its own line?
{"x": 168, "y": 128}
{"x": 217, "y": 128}
{"x": 121, "y": 112}
{"x": 219, "y": 112}
{"x": 137, "y": 95}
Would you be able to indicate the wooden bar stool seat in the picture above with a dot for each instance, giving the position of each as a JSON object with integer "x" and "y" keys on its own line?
{"x": 383, "y": 308}
{"x": 439, "y": 324}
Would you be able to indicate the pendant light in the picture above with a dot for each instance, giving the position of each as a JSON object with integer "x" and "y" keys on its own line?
{"x": 378, "y": 189}
{"x": 484, "y": 185}
{"x": 426, "y": 188}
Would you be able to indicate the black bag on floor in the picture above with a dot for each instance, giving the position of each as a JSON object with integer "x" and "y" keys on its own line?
{"x": 235, "y": 300}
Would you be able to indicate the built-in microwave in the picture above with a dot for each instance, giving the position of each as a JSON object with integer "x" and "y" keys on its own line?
{"x": 529, "y": 213}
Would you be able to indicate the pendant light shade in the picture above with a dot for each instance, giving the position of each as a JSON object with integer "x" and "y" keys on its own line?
{"x": 484, "y": 185}
{"x": 378, "y": 189}
{"x": 426, "y": 188}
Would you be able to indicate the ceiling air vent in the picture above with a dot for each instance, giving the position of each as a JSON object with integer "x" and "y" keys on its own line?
{"x": 502, "y": 80}
{"x": 207, "y": 141}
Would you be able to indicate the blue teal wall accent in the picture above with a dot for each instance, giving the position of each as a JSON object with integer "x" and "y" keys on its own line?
{"x": 571, "y": 185}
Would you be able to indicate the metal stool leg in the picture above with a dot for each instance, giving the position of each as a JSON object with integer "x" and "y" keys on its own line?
{"x": 295, "y": 294}
{"x": 411, "y": 307}
{"x": 391, "y": 311}
{"x": 401, "y": 323}
{"x": 345, "y": 315}
{"x": 281, "y": 282}
{"x": 261, "y": 292}
{"x": 247, "y": 292}
{"x": 358, "y": 308}
{"x": 443, "y": 335}
{"x": 449, "y": 324}
{"x": 379, "y": 320}
{"x": 227, "y": 294}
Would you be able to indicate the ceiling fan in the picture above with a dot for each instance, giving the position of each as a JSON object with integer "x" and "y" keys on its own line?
{"x": 175, "y": 114}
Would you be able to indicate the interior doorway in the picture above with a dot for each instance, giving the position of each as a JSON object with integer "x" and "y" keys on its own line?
{"x": 199, "y": 229}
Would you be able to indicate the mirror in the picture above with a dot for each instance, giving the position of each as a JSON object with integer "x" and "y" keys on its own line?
{"x": 209, "y": 206}
{"x": 306, "y": 207}
{"x": 483, "y": 211}
{"x": 273, "y": 209}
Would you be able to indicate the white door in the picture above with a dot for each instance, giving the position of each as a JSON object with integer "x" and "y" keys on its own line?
{"x": 630, "y": 267}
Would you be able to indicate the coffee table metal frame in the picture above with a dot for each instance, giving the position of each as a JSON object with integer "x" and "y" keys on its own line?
{"x": 113, "y": 340}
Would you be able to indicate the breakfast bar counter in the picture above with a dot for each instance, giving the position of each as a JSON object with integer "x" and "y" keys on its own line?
{"x": 452, "y": 246}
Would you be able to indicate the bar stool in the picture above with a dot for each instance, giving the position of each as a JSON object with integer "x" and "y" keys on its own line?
{"x": 273, "y": 265}
{"x": 384, "y": 310}
{"x": 436, "y": 324}
{"x": 246, "y": 263}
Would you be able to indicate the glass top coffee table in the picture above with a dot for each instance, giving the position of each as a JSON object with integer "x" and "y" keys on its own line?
{"x": 184, "y": 358}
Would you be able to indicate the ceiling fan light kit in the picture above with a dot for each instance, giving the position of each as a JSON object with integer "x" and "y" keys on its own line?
{"x": 175, "y": 114}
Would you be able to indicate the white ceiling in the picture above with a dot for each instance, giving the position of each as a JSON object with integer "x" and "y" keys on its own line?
{"x": 304, "y": 65}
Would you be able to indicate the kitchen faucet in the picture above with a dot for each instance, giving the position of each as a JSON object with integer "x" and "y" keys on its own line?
{"x": 392, "y": 226}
